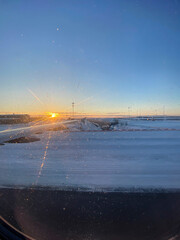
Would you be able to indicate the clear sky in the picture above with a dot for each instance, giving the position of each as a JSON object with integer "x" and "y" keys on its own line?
{"x": 109, "y": 57}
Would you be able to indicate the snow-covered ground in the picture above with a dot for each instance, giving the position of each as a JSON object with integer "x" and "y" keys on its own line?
{"x": 154, "y": 125}
{"x": 97, "y": 159}
{"x": 123, "y": 125}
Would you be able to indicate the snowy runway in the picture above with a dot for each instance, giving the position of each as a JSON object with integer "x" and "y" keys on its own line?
{"x": 94, "y": 160}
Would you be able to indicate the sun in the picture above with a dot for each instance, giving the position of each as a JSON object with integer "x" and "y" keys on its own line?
{"x": 53, "y": 115}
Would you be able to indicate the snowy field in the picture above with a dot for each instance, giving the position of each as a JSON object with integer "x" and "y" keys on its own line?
{"x": 143, "y": 154}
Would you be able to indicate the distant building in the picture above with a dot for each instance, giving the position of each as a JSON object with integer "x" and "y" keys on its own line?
{"x": 14, "y": 118}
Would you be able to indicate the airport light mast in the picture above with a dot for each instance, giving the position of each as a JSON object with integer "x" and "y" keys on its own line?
{"x": 164, "y": 115}
{"x": 73, "y": 108}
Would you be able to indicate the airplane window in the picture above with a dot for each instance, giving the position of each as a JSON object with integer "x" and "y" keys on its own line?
{"x": 90, "y": 119}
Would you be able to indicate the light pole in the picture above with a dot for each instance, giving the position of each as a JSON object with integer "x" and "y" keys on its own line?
{"x": 129, "y": 111}
{"x": 73, "y": 108}
{"x": 164, "y": 109}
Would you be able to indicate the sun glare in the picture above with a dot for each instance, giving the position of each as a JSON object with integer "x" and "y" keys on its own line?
{"x": 53, "y": 115}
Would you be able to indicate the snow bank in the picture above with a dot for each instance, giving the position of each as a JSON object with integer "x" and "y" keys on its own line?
{"x": 84, "y": 125}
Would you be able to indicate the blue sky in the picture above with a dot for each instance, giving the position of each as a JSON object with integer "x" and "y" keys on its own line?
{"x": 108, "y": 56}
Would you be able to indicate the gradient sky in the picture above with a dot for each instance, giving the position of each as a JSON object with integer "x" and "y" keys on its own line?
{"x": 108, "y": 56}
